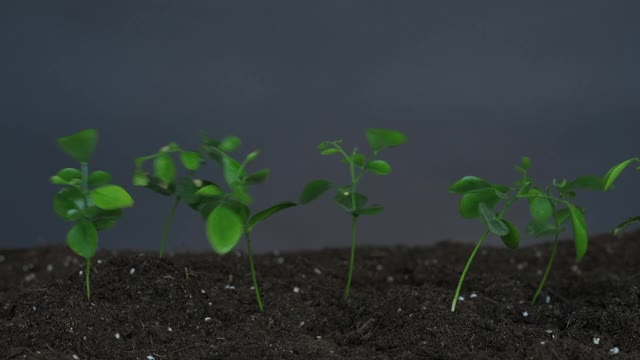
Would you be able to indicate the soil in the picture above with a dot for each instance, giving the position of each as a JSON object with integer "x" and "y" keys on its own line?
{"x": 201, "y": 306}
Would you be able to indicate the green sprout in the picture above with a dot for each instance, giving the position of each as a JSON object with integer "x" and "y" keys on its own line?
{"x": 163, "y": 179}
{"x": 89, "y": 200}
{"x": 609, "y": 179}
{"x": 347, "y": 197}
{"x": 550, "y": 210}
{"x": 227, "y": 214}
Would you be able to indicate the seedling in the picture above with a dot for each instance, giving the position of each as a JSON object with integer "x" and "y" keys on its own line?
{"x": 347, "y": 197}
{"x": 550, "y": 210}
{"x": 227, "y": 214}
{"x": 88, "y": 200}
{"x": 163, "y": 180}
{"x": 609, "y": 179}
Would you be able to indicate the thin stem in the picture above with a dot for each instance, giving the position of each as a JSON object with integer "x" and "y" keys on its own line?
{"x": 554, "y": 251}
{"x": 84, "y": 182}
{"x": 354, "y": 229}
{"x": 253, "y": 273}
{"x": 87, "y": 279}
{"x": 466, "y": 269}
{"x": 167, "y": 225}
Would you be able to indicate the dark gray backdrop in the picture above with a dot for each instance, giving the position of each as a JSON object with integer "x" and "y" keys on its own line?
{"x": 474, "y": 84}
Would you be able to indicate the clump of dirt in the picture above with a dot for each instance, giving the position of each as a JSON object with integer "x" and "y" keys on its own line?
{"x": 201, "y": 306}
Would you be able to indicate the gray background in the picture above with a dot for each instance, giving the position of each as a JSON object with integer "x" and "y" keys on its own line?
{"x": 474, "y": 84}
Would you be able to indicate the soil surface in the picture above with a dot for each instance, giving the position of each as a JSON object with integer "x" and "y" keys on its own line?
{"x": 201, "y": 306}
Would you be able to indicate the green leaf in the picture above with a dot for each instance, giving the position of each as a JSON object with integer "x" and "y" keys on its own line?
{"x": 343, "y": 198}
{"x": 630, "y": 221}
{"x": 67, "y": 176}
{"x": 240, "y": 193}
{"x": 210, "y": 190}
{"x": 264, "y": 214}
{"x": 470, "y": 202}
{"x": 141, "y": 178}
{"x": 371, "y": 210}
{"x": 111, "y": 197}
{"x": 186, "y": 190}
{"x": 80, "y": 145}
{"x": 512, "y": 238}
{"x": 252, "y": 156}
{"x": 259, "y": 176}
{"x": 587, "y": 182}
{"x": 106, "y": 219}
{"x": 68, "y": 204}
{"x": 230, "y": 144}
{"x": 164, "y": 168}
{"x": 329, "y": 151}
{"x": 379, "y": 167}
{"x": 614, "y": 172}
{"x": 563, "y": 215}
{"x": 579, "y": 231}
{"x": 543, "y": 229}
{"x": 495, "y": 225}
{"x": 314, "y": 190}
{"x": 83, "y": 239}
{"x": 232, "y": 170}
{"x": 526, "y": 163}
{"x": 382, "y": 138}
{"x": 541, "y": 208}
{"x": 224, "y": 229}
{"x": 99, "y": 178}
{"x": 191, "y": 160}
{"x": 469, "y": 184}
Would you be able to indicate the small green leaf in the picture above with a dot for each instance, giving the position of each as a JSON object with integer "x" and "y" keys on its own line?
{"x": 80, "y": 145}
{"x": 191, "y": 160}
{"x": 614, "y": 172}
{"x": 186, "y": 190}
{"x": 587, "y": 182}
{"x": 382, "y": 138}
{"x": 232, "y": 170}
{"x": 252, "y": 156}
{"x": 329, "y": 151}
{"x": 314, "y": 190}
{"x": 224, "y": 229}
{"x": 259, "y": 176}
{"x": 83, "y": 239}
{"x": 323, "y": 145}
{"x": 264, "y": 214}
{"x": 579, "y": 231}
{"x": 630, "y": 221}
{"x": 344, "y": 199}
{"x": 164, "y": 168}
{"x": 230, "y": 144}
{"x": 210, "y": 190}
{"x": 526, "y": 163}
{"x": 68, "y": 204}
{"x": 111, "y": 197}
{"x": 469, "y": 184}
{"x": 512, "y": 239}
{"x": 371, "y": 210}
{"x": 99, "y": 178}
{"x": 563, "y": 215}
{"x": 495, "y": 225}
{"x": 140, "y": 178}
{"x": 68, "y": 176}
{"x": 470, "y": 201}
{"x": 540, "y": 208}
{"x": 379, "y": 167}
{"x": 106, "y": 219}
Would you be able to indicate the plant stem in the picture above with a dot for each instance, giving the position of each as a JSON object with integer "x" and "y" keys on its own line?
{"x": 167, "y": 225}
{"x": 554, "y": 251}
{"x": 87, "y": 278}
{"x": 84, "y": 182}
{"x": 466, "y": 268}
{"x": 354, "y": 229}
{"x": 253, "y": 273}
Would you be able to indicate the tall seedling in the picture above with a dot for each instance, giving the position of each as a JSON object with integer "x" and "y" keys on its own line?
{"x": 227, "y": 213}
{"x": 550, "y": 209}
{"x": 88, "y": 200}
{"x": 609, "y": 179}
{"x": 347, "y": 196}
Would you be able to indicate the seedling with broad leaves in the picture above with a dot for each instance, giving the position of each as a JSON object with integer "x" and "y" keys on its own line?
{"x": 347, "y": 196}
{"x": 551, "y": 208}
{"x": 609, "y": 178}
{"x": 163, "y": 179}
{"x": 227, "y": 213}
{"x": 87, "y": 199}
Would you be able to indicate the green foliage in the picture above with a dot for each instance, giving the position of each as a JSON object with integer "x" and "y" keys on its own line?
{"x": 550, "y": 209}
{"x": 347, "y": 197}
{"x": 88, "y": 200}
{"x": 608, "y": 181}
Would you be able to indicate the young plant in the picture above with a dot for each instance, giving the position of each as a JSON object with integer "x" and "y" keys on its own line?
{"x": 347, "y": 197}
{"x": 550, "y": 210}
{"x": 163, "y": 179}
{"x": 88, "y": 200}
{"x": 609, "y": 179}
{"x": 227, "y": 214}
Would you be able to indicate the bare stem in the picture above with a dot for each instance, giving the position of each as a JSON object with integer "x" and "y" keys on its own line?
{"x": 354, "y": 229}
{"x": 466, "y": 269}
{"x": 253, "y": 273}
{"x": 87, "y": 279}
{"x": 167, "y": 226}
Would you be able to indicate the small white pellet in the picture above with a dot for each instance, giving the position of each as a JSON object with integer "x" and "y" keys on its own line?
{"x": 296, "y": 290}
{"x": 525, "y": 314}
{"x": 49, "y": 268}
{"x": 473, "y": 296}
{"x": 229, "y": 287}
{"x": 379, "y": 267}
{"x": 117, "y": 336}
{"x": 614, "y": 351}
{"x": 596, "y": 341}
{"x": 460, "y": 298}
{"x": 132, "y": 271}
{"x": 208, "y": 319}
{"x": 317, "y": 271}
{"x": 169, "y": 329}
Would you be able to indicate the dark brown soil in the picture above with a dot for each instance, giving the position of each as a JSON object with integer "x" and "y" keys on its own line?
{"x": 201, "y": 306}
